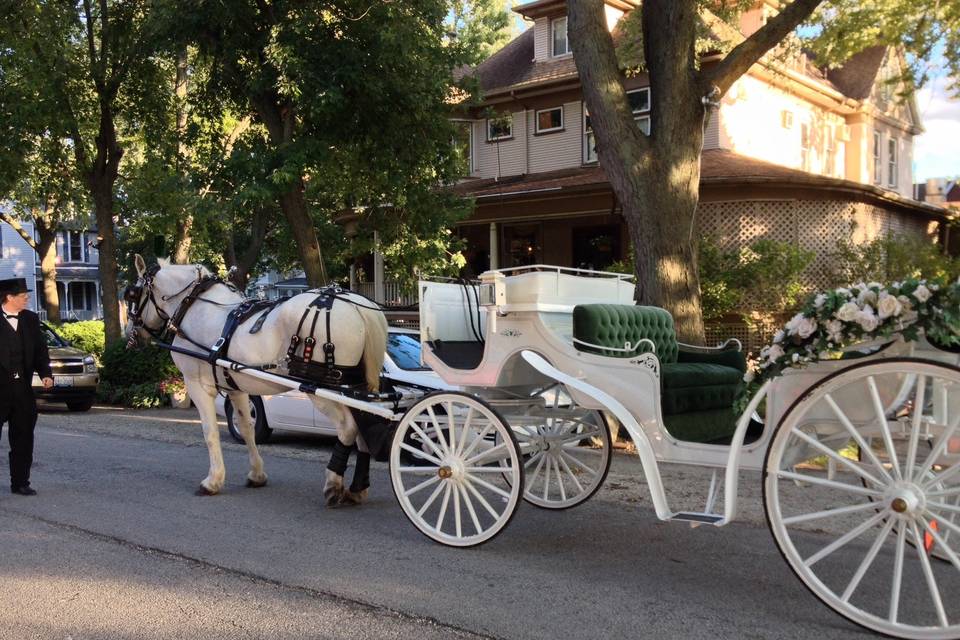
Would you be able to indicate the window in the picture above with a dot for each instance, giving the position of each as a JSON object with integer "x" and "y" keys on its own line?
{"x": 876, "y": 157}
{"x": 75, "y": 250}
{"x": 805, "y": 146}
{"x": 550, "y": 120}
{"x": 558, "y": 30}
{"x": 639, "y": 101}
{"x": 892, "y": 162}
{"x": 500, "y": 128}
{"x": 463, "y": 145}
{"x": 830, "y": 152}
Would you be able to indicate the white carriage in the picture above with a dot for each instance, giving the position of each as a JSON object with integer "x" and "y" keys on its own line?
{"x": 860, "y": 456}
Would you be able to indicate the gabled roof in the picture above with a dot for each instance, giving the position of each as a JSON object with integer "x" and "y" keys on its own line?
{"x": 514, "y": 66}
{"x": 855, "y": 79}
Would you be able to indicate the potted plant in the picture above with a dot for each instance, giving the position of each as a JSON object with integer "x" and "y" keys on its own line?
{"x": 174, "y": 388}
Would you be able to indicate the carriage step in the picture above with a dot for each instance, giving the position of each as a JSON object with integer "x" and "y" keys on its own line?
{"x": 695, "y": 518}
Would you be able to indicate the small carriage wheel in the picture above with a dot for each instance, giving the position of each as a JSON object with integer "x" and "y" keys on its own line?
{"x": 566, "y": 454}
{"x": 851, "y": 554}
{"x": 456, "y": 469}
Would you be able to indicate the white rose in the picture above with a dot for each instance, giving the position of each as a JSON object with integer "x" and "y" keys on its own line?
{"x": 888, "y": 306}
{"x": 774, "y": 353}
{"x": 867, "y": 320}
{"x": 819, "y": 300}
{"x": 793, "y": 324}
{"x": 843, "y": 292}
{"x": 834, "y": 331}
{"x": 848, "y": 311}
{"x": 749, "y": 376}
{"x": 795, "y": 357}
{"x": 778, "y": 336}
{"x": 921, "y": 293}
{"x": 807, "y": 327}
{"x": 874, "y": 285}
{"x": 867, "y": 297}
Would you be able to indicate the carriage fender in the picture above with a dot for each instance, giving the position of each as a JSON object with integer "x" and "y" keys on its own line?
{"x": 647, "y": 458}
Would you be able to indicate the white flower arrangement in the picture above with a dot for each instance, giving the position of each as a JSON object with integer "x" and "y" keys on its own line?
{"x": 862, "y": 312}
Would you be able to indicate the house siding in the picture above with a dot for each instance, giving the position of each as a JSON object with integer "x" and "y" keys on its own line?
{"x": 541, "y": 39}
{"x": 17, "y": 258}
{"x": 504, "y": 158}
{"x": 561, "y": 149}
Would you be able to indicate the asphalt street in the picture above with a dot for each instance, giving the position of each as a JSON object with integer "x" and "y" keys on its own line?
{"x": 117, "y": 546}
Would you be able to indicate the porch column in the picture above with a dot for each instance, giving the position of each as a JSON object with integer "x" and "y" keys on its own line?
{"x": 494, "y": 246}
{"x": 378, "y": 285}
{"x": 353, "y": 277}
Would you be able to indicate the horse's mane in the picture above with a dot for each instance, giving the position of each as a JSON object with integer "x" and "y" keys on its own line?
{"x": 165, "y": 262}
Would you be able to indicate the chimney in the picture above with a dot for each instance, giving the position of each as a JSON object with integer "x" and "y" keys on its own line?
{"x": 934, "y": 193}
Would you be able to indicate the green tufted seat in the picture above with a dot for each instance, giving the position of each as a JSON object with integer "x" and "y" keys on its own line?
{"x": 697, "y": 390}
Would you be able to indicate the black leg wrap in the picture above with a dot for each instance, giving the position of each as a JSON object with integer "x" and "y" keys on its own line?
{"x": 339, "y": 458}
{"x": 361, "y": 473}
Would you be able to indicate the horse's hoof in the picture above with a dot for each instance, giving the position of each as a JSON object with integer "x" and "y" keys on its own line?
{"x": 256, "y": 484}
{"x": 333, "y": 498}
{"x": 350, "y": 498}
{"x": 203, "y": 491}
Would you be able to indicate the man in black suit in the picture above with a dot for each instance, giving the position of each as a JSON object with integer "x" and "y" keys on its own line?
{"x": 23, "y": 351}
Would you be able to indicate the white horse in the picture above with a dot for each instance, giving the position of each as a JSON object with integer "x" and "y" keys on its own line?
{"x": 358, "y": 331}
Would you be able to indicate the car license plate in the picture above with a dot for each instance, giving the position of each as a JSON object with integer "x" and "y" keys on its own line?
{"x": 62, "y": 381}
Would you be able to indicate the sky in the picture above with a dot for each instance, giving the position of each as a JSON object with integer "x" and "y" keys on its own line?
{"x": 936, "y": 152}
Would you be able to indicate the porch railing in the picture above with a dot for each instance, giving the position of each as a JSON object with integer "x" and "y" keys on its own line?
{"x": 394, "y": 294}
{"x": 69, "y": 315}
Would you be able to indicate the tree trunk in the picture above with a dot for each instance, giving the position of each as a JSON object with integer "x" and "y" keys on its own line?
{"x": 107, "y": 247}
{"x": 47, "y": 250}
{"x": 183, "y": 237}
{"x": 241, "y": 265}
{"x": 281, "y": 124}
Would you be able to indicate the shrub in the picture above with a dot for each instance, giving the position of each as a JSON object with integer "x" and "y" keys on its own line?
{"x": 891, "y": 258}
{"x": 122, "y": 367}
{"x": 139, "y": 396}
{"x": 86, "y": 336}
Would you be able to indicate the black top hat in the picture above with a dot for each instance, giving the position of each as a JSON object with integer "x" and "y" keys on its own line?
{"x": 13, "y": 286}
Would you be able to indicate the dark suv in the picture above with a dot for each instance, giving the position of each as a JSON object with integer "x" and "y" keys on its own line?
{"x": 75, "y": 374}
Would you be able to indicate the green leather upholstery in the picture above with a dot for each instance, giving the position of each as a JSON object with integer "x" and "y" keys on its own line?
{"x": 697, "y": 390}
{"x": 613, "y": 325}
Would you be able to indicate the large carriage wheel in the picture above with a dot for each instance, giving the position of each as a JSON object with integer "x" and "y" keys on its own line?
{"x": 862, "y": 539}
{"x": 456, "y": 469}
{"x": 566, "y": 452}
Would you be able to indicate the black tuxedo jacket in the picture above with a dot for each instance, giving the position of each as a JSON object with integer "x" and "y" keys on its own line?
{"x": 35, "y": 356}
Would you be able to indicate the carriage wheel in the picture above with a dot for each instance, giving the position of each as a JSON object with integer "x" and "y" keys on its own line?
{"x": 847, "y": 535}
{"x": 456, "y": 469}
{"x": 566, "y": 453}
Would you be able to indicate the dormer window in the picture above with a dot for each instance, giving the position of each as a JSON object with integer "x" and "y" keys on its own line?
{"x": 500, "y": 128}
{"x": 558, "y": 31}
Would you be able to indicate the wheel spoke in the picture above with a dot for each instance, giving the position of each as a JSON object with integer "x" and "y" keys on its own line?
{"x": 486, "y": 485}
{"x": 453, "y": 430}
{"x": 947, "y": 549}
{"x": 939, "y": 448}
{"x": 944, "y": 506}
{"x": 942, "y": 477}
{"x": 439, "y": 430}
{"x": 944, "y": 493}
{"x": 546, "y": 476}
{"x": 928, "y": 574}
{"x": 423, "y": 485}
{"x": 456, "y": 506}
{"x": 533, "y": 458}
{"x": 473, "y": 445}
{"x": 503, "y": 447}
{"x": 465, "y": 431}
{"x": 915, "y": 425}
{"x": 433, "y": 496}
{"x": 533, "y": 478}
{"x": 944, "y": 521}
{"x": 851, "y": 488}
{"x": 897, "y": 582}
{"x": 884, "y": 427}
{"x": 556, "y": 469}
{"x": 481, "y": 499}
{"x": 867, "y": 560}
{"x": 420, "y": 453}
{"x": 844, "y": 539}
{"x": 419, "y": 470}
{"x": 572, "y": 475}
{"x": 577, "y": 437}
{"x": 567, "y": 455}
{"x": 816, "y": 515}
{"x": 485, "y": 469}
{"x": 443, "y": 506}
{"x": 850, "y": 464}
{"x": 428, "y": 440}
{"x": 470, "y": 510}
{"x": 864, "y": 447}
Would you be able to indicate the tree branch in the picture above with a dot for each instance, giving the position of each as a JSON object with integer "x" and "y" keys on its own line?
{"x": 745, "y": 54}
{"x": 13, "y": 222}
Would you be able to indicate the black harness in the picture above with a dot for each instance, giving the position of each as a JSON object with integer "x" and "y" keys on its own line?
{"x": 300, "y": 361}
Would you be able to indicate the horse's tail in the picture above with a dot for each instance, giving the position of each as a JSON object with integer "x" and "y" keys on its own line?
{"x": 374, "y": 344}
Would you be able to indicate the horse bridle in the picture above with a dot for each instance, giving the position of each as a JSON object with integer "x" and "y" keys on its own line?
{"x": 139, "y": 295}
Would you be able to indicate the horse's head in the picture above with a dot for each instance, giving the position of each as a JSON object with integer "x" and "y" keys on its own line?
{"x": 153, "y": 298}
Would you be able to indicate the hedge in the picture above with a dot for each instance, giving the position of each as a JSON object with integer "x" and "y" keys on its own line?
{"x": 122, "y": 367}
{"x": 86, "y": 336}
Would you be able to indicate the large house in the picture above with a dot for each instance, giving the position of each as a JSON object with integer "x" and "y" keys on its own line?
{"x": 793, "y": 152}
{"x": 78, "y": 272}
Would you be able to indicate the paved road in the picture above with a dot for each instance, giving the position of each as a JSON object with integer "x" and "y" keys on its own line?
{"x": 116, "y": 545}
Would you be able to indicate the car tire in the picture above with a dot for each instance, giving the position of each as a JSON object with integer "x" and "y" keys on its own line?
{"x": 261, "y": 430}
{"x": 80, "y": 405}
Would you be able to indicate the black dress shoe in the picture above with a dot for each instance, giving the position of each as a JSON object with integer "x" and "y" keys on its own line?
{"x": 25, "y": 490}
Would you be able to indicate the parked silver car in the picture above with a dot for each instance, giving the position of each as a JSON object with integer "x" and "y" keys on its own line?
{"x": 293, "y": 411}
